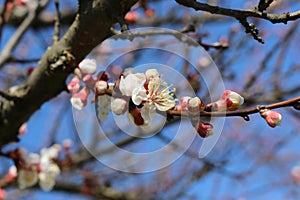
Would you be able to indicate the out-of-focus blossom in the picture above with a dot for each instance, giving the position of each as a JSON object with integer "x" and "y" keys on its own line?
{"x": 11, "y": 174}
{"x": 103, "y": 106}
{"x": 88, "y": 66}
{"x": 131, "y": 16}
{"x": 74, "y": 85}
{"x": 27, "y": 178}
{"x": 273, "y": 118}
{"x": 79, "y": 100}
{"x": 23, "y": 129}
{"x": 2, "y": 194}
{"x": 295, "y": 173}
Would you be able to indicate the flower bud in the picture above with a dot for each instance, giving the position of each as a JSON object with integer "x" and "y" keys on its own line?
{"x": 119, "y": 106}
{"x": 232, "y": 99}
{"x": 79, "y": 99}
{"x": 295, "y": 173}
{"x": 204, "y": 129}
{"x": 183, "y": 103}
{"x": 195, "y": 105}
{"x": 273, "y": 118}
{"x": 100, "y": 87}
{"x": 74, "y": 85}
{"x": 88, "y": 66}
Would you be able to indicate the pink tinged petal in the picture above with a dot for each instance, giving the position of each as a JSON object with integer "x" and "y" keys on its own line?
{"x": 148, "y": 112}
{"x": 119, "y": 106}
{"x": 151, "y": 73}
{"x": 273, "y": 118}
{"x": 100, "y": 87}
{"x": 79, "y": 100}
{"x": 88, "y": 66}
{"x": 89, "y": 80}
{"x": 233, "y": 100}
{"x": 204, "y": 129}
{"x": 74, "y": 85}
{"x": 183, "y": 104}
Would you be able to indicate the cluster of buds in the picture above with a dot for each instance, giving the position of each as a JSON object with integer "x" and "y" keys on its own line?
{"x": 35, "y": 168}
{"x": 98, "y": 85}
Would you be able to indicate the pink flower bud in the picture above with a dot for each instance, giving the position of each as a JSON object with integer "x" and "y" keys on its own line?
{"x": 100, "y": 87}
{"x": 204, "y": 129}
{"x": 233, "y": 100}
{"x": 74, "y": 85}
{"x": 273, "y": 118}
{"x": 183, "y": 103}
{"x": 79, "y": 99}
{"x": 88, "y": 66}
{"x": 119, "y": 106}
{"x": 195, "y": 105}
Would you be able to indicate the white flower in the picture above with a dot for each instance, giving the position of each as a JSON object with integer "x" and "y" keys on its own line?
{"x": 159, "y": 94}
{"x": 100, "y": 87}
{"x": 119, "y": 106}
{"x": 27, "y": 178}
{"x": 138, "y": 95}
{"x": 88, "y": 66}
{"x": 151, "y": 73}
{"x": 131, "y": 82}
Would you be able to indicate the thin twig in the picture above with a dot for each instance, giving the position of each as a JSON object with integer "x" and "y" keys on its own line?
{"x": 56, "y": 35}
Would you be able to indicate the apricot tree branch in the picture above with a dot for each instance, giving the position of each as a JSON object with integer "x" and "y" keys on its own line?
{"x": 90, "y": 27}
{"x": 294, "y": 102}
{"x": 242, "y": 15}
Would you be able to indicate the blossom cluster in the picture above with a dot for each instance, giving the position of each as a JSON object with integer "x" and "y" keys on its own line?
{"x": 32, "y": 168}
{"x": 141, "y": 95}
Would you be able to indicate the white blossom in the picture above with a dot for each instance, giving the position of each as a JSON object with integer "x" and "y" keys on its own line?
{"x": 88, "y": 66}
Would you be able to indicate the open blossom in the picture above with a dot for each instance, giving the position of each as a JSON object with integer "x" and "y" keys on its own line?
{"x": 273, "y": 118}
{"x": 79, "y": 100}
{"x": 131, "y": 82}
{"x": 74, "y": 85}
{"x": 204, "y": 129}
{"x": 149, "y": 90}
{"x": 88, "y": 66}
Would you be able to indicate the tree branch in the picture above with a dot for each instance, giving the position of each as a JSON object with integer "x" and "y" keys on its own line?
{"x": 91, "y": 27}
